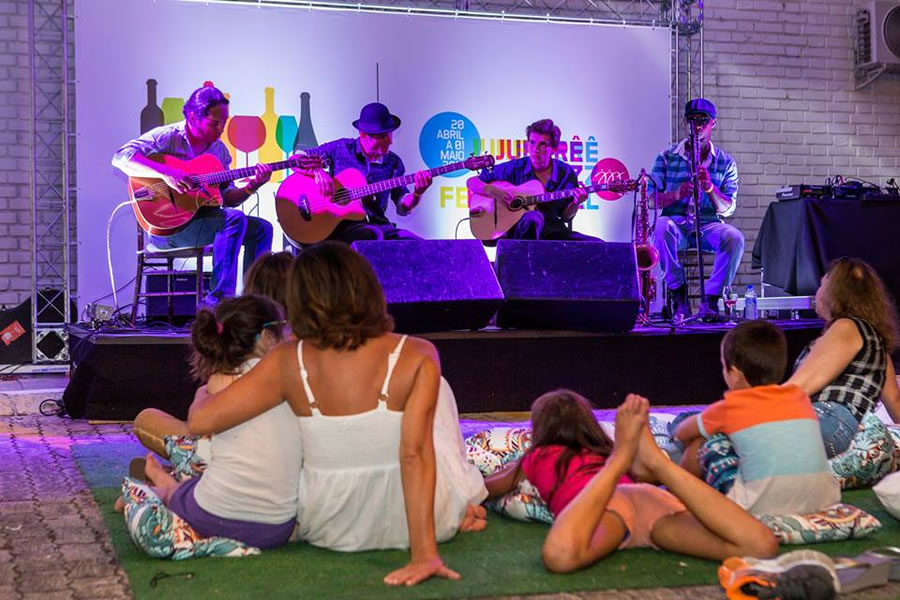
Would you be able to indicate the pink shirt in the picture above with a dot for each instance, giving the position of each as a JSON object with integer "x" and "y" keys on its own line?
{"x": 540, "y": 469}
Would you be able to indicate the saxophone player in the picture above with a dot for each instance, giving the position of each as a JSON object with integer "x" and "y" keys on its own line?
{"x": 718, "y": 179}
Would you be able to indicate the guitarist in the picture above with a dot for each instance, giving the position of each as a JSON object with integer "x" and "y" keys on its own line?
{"x": 370, "y": 154}
{"x": 227, "y": 229}
{"x": 551, "y": 220}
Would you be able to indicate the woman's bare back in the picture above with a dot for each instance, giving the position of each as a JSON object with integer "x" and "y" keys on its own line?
{"x": 348, "y": 382}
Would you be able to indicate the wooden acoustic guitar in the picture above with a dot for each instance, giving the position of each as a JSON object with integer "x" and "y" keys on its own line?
{"x": 308, "y": 217}
{"x": 490, "y": 218}
{"x": 160, "y": 210}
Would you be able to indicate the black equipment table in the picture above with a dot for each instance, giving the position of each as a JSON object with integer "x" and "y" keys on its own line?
{"x": 799, "y": 238}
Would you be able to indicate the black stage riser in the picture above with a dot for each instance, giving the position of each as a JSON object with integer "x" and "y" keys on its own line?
{"x": 117, "y": 376}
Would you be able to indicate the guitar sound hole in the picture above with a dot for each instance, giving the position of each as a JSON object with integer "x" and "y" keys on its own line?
{"x": 516, "y": 204}
{"x": 303, "y": 207}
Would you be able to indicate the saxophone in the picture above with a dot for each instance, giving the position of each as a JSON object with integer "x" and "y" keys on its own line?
{"x": 647, "y": 255}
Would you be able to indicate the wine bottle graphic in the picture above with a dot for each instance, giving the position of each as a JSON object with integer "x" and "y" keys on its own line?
{"x": 173, "y": 109}
{"x": 227, "y": 141}
{"x": 270, "y": 152}
{"x": 306, "y": 137}
{"x": 151, "y": 115}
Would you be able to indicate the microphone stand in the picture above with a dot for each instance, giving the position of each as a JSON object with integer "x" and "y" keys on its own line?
{"x": 703, "y": 311}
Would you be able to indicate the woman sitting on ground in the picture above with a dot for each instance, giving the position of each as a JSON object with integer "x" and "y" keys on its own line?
{"x": 586, "y": 481}
{"x": 382, "y": 467}
{"x": 848, "y": 368}
{"x": 248, "y": 491}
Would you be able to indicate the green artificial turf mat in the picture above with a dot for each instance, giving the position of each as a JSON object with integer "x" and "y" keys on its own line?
{"x": 503, "y": 560}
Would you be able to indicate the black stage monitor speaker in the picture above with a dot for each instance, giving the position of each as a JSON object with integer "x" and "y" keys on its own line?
{"x": 435, "y": 285}
{"x": 579, "y": 286}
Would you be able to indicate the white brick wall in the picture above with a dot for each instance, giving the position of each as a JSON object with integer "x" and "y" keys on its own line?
{"x": 781, "y": 76}
{"x": 15, "y": 206}
{"x": 780, "y": 73}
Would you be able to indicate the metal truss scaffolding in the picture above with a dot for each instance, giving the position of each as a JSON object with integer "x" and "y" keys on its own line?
{"x": 52, "y": 149}
{"x": 687, "y": 60}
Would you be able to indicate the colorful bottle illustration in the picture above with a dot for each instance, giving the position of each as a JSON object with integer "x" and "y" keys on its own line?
{"x": 270, "y": 152}
{"x": 151, "y": 115}
{"x": 227, "y": 141}
{"x": 172, "y": 109}
{"x": 306, "y": 137}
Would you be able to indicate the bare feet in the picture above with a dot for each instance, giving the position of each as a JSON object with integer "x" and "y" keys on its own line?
{"x": 631, "y": 419}
{"x": 119, "y": 506}
{"x": 648, "y": 460}
{"x": 154, "y": 471}
{"x": 475, "y": 519}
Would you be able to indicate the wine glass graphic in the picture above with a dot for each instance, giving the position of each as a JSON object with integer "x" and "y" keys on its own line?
{"x": 285, "y": 132}
{"x": 246, "y": 133}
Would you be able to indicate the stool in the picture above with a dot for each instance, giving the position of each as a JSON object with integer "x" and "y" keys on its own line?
{"x": 155, "y": 261}
{"x": 688, "y": 260}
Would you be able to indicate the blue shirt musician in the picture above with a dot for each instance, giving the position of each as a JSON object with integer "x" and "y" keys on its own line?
{"x": 551, "y": 220}
{"x": 227, "y": 229}
{"x": 718, "y": 178}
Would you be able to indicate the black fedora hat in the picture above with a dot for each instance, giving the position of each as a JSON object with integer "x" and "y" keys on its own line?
{"x": 376, "y": 118}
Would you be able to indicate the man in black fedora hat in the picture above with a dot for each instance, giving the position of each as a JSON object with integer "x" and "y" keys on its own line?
{"x": 370, "y": 154}
{"x": 718, "y": 179}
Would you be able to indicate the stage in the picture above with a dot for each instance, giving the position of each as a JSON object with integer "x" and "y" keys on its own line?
{"x": 117, "y": 373}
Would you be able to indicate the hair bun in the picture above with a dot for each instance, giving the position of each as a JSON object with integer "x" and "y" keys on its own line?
{"x": 208, "y": 83}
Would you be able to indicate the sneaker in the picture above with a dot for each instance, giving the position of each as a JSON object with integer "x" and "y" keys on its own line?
{"x": 712, "y": 304}
{"x": 798, "y": 575}
{"x": 681, "y": 306}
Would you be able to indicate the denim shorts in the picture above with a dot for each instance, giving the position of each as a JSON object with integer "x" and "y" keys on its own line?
{"x": 838, "y": 426}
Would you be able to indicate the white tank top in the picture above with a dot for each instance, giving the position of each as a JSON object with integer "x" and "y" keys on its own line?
{"x": 254, "y": 468}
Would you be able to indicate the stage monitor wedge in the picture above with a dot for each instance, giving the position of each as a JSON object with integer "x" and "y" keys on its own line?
{"x": 577, "y": 286}
{"x": 435, "y": 285}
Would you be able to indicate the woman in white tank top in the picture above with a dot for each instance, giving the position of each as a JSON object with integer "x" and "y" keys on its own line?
{"x": 367, "y": 401}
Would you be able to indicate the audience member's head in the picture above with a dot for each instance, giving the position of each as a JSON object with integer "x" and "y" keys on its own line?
{"x": 241, "y": 328}
{"x": 852, "y": 288}
{"x": 758, "y": 350}
{"x": 268, "y": 276}
{"x": 565, "y": 418}
{"x": 334, "y": 298}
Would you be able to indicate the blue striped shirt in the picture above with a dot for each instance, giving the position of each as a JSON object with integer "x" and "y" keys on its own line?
{"x": 672, "y": 168}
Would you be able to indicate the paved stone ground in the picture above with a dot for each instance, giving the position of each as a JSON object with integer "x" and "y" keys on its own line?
{"x": 54, "y": 544}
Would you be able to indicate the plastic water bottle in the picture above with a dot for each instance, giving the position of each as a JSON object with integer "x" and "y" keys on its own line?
{"x": 750, "y": 311}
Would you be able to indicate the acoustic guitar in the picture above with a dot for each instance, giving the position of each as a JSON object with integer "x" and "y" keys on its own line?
{"x": 308, "y": 217}
{"x": 160, "y": 210}
{"x": 489, "y": 219}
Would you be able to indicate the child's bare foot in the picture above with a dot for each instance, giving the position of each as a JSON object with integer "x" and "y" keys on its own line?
{"x": 631, "y": 418}
{"x": 154, "y": 471}
{"x": 475, "y": 519}
{"x": 648, "y": 459}
{"x": 119, "y": 506}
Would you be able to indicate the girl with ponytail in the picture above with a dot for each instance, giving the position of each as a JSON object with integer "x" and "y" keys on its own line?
{"x": 248, "y": 491}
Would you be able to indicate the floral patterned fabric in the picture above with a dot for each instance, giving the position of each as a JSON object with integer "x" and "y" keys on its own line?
{"x": 182, "y": 451}
{"x": 162, "y": 534}
{"x": 490, "y": 450}
{"x": 871, "y": 456}
{"x": 839, "y": 522}
{"x": 718, "y": 462}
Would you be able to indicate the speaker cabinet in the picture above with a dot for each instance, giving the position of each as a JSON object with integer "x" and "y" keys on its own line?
{"x": 578, "y": 286}
{"x": 434, "y": 285}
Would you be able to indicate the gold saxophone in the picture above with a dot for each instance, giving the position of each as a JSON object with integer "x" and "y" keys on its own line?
{"x": 647, "y": 255}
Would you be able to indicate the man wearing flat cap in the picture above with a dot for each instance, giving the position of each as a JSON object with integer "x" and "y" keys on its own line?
{"x": 718, "y": 179}
{"x": 370, "y": 154}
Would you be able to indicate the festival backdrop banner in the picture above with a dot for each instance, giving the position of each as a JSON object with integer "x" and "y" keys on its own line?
{"x": 297, "y": 78}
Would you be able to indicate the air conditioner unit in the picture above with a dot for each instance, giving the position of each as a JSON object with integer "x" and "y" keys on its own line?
{"x": 878, "y": 34}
